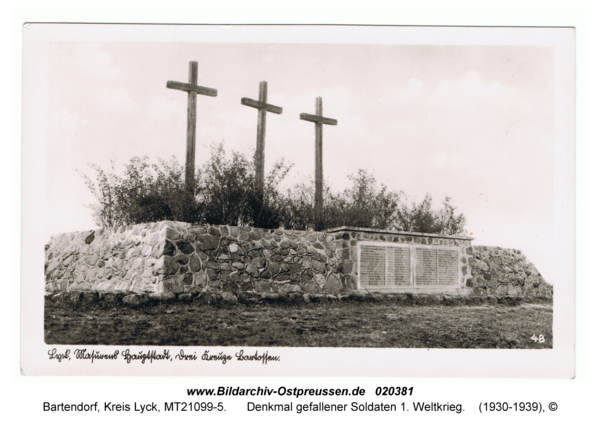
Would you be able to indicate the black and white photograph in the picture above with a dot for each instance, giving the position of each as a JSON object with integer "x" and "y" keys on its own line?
{"x": 338, "y": 192}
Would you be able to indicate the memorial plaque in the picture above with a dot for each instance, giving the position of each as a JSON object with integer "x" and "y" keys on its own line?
{"x": 447, "y": 267}
{"x": 372, "y": 265}
{"x": 394, "y": 266}
{"x": 426, "y": 271}
{"x": 398, "y": 266}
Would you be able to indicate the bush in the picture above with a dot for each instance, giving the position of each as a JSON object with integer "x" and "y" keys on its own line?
{"x": 226, "y": 195}
{"x": 226, "y": 189}
{"x": 225, "y": 192}
{"x": 422, "y": 219}
{"x": 145, "y": 193}
{"x": 363, "y": 205}
{"x": 368, "y": 205}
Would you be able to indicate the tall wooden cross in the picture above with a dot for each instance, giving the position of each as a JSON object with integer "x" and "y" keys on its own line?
{"x": 190, "y": 157}
{"x": 259, "y": 156}
{"x": 319, "y": 121}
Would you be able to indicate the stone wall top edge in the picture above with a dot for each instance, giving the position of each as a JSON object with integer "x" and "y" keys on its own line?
{"x": 172, "y": 224}
{"x": 491, "y": 248}
{"x": 107, "y": 231}
{"x": 394, "y": 232}
{"x": 177, "y": 224}
{"x": 53, "y": 235}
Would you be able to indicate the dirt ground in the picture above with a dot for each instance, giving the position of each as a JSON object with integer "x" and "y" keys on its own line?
{"x": 306, "y": 325}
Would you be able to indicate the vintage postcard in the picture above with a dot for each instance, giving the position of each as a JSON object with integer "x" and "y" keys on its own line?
{"x": 249, "y": 200}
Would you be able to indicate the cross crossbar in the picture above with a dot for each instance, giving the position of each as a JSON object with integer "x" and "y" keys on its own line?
{"x": 261, "y": 105}
{"x": 259, "y": 157}
{"x": 317, "y": 119}
{"x": 192, "y": 88}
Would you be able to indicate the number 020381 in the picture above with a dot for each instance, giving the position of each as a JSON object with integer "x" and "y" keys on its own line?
{"x": 394, "y": 391}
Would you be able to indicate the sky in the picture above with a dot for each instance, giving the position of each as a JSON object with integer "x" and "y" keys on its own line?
{"x": 473, "y": 122}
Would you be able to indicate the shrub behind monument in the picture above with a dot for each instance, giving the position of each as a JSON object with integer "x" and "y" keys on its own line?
{"x": 226, "y": 195}
{"x": 149, "y": 192}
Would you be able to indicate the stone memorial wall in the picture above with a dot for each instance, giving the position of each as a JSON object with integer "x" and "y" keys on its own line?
{"x": 417, "y": 263}
{"x": 173, "y": 257}
{"x": 495, "y": 271}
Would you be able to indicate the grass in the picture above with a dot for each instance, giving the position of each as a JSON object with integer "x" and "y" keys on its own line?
{"x": 304, "y": 325}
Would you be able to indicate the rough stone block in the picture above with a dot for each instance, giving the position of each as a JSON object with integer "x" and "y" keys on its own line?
{"x": 274, "y": 268}
{"x": 311, "y": 287}
{"x": 332, "y": 285}
{"x": 166, "y": 266}
{"x": 229, "y": 298}
{"x": 207, "y": 242}
{"x": 255, "y": 236}
{"x": 213, "y": 265}
{"x": 162, "y": 297}
{"x": 135, "y": 300}
{"x": 262, "y": 286}
{"x": 347, "y": 267}
{"x": 289, "y": 288}
{"x": 319, "y": 279}
{"x": 188, "y": 279}
{"x": 318, "y": 266}
{"x": 213, "y": 231}
{"x": 185, "y": 247}
{"x": 295, "y": 268}
{"x": 259, "y": 262}
{"x": 172, "y": 284}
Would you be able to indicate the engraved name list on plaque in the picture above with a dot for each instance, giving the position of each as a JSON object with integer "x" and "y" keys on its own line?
{"x": 407, "y": 266}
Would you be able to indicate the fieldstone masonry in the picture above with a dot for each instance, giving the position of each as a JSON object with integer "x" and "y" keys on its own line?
{"x": 500, "y": 272}
{"x": 169, "y": 258}
{"x": 179, "y": 257}
{"x": 447, "y": 265}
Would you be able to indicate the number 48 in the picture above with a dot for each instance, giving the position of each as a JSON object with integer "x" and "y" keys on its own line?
{"x": 536, "y": 339}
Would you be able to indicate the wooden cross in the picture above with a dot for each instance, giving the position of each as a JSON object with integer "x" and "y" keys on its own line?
{"x": 319, "y": 121}
{"x": 190, "y": 157}
{"x": 259, "y": 156}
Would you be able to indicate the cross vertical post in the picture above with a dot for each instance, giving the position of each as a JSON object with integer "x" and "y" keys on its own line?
{"x": 318, "y": 120}
{"x": 319, "y": 168}
{"x": 190, "y": 152}
{"x": 259, "y": 156}
{"x": 259, "y": 159}
{"x": 190, "y": 157}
